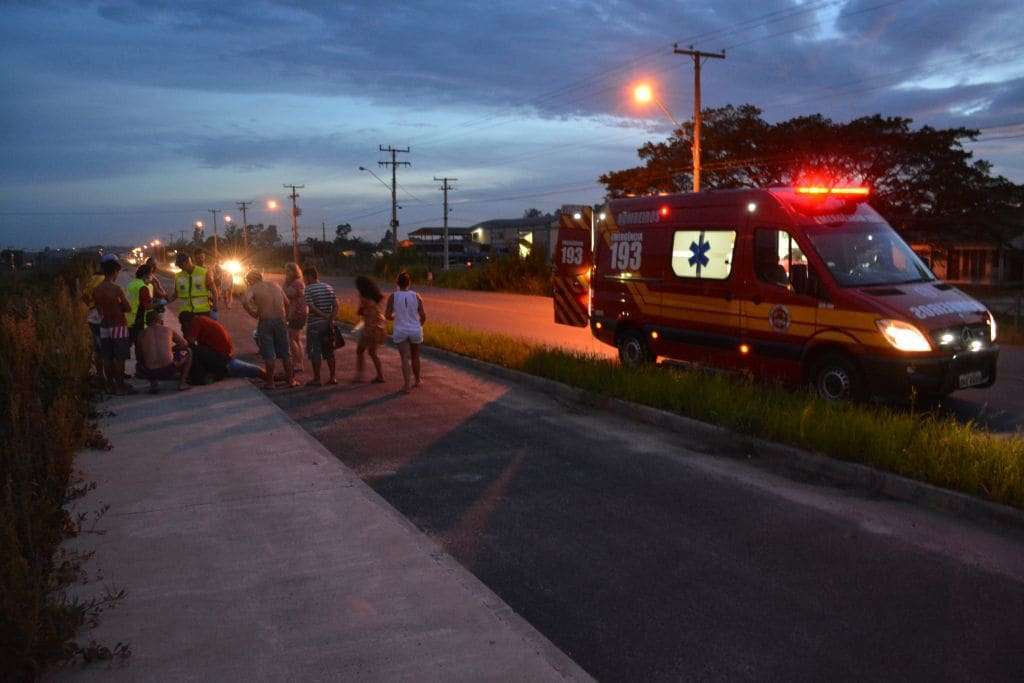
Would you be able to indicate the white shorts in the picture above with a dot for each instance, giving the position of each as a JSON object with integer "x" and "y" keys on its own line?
{"x": 411, "y": 336}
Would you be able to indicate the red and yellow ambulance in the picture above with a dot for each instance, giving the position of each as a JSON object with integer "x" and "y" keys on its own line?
{"x": 800, "y": 284}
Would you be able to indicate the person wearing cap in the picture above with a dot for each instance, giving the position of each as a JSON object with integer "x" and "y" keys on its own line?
{"x": 266, "y": 302}
{"x": 193, "y": 286}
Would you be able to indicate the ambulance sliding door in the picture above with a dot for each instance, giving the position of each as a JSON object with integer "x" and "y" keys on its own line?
{"x": 699, "y": 310}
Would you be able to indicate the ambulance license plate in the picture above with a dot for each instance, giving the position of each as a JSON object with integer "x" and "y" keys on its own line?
{"x": 971, "y": 379}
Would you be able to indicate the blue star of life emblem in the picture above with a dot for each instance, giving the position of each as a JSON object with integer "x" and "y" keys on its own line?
{"x": 700, "y": 250}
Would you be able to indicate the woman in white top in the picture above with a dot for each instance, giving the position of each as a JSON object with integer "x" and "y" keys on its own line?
{"x": 406, "y": 309}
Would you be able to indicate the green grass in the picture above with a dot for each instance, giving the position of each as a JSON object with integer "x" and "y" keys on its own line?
{"x": 940, "y": 451}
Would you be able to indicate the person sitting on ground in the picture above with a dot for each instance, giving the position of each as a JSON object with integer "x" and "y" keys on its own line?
{"x": 266, "y": 302}
{"x": 374, "y": 328}
{"x": 406, "y": 308}
{"x": 212, "y": 351}
{"x": 164, "y": 352}
{"x": 115, "y": 345}
{"x": 323, "y": 308}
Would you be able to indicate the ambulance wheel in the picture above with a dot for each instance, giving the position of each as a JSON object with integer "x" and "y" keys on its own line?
{"x": 633, "y": 349}
{"x": 837, "y": 378}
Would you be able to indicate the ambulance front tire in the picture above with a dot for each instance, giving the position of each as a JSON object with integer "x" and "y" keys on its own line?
{"x": 836, "y": 377}
{"x": 633, "y": 349}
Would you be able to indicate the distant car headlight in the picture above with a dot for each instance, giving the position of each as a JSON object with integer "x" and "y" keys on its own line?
{"x": 903, "y": 336}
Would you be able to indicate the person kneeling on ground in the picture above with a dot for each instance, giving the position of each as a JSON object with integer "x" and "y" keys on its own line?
{"x": 212, "y": 352}
{"x": 165, "y": 354}
{"x": 266, "y": 302}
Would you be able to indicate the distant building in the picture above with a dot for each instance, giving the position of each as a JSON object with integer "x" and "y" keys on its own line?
{"x": 974, "y": 262}
{"x": 430, "y": 241}
{"x": 502, "y": 236}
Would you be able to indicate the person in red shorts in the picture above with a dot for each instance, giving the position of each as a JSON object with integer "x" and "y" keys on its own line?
{"x": 115, "y": 344}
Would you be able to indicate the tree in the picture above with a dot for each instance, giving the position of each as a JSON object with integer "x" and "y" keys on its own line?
{"x": 923, "y": 181}
{"x": 533, "y": 213}
{"x": 341, "y": 232}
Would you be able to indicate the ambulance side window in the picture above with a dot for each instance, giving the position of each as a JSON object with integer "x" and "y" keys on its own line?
{"x": 703, "y": 254}
{"x": 778, "y": 259}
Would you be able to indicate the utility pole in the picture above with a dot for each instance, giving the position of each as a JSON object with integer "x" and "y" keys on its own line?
{"x": 216, "y": 252}
{"x": 697, "y": 56}
{"x": 323, "y": 232}
{"x": 296, "y": 212}
{"x": 245, "y": 228}
{"x": 445, "y": 186}
{"x": 394, "y": 187}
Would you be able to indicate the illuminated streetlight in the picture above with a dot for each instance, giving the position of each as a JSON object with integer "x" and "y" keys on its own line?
{"x": 199, "y": 224}
{"x": 227, "y": 219}
{"x": 644, "y": 94}
{"x": 272, "y": 205}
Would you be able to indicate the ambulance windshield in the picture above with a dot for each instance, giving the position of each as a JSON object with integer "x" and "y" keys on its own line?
{"x": 867, "y": 254}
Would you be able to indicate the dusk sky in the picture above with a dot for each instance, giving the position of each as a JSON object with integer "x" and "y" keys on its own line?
{"x": 125, "y": 121}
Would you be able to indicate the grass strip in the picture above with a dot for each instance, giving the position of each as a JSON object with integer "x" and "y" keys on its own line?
{"x": 921, "y": 446}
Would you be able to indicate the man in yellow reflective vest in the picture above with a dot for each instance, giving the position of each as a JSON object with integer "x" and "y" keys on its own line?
{"x": 194, "y": 286}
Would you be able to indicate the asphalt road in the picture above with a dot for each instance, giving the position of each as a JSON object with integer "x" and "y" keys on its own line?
{"x": 999, "y": 408}
{"x": 644, "y": 559}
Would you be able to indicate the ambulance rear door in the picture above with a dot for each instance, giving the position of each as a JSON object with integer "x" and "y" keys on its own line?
{"x": 573, "y": 259}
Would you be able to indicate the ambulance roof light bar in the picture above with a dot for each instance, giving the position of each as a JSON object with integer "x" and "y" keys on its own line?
{"x": 822, "y": 190}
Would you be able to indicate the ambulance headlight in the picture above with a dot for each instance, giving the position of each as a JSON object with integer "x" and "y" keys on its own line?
{"x": 903, "y": 336}
{"x": 991, "y": 327}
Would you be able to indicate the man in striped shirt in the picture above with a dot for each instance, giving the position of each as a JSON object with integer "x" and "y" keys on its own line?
{"x": 323, "y": 307}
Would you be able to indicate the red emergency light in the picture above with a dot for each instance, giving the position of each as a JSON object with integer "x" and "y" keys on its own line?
{"x": 821, "y": 189}
{"x": 663, "y": 211}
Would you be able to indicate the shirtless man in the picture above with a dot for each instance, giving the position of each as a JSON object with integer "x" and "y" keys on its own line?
{"x": 266, "y": 302}
{"x": 115, "y": 345}
{"x": 165, "y": 353}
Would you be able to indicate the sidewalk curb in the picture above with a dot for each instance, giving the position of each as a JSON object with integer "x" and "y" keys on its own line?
{"x": 788, "y": 460}
{"x": 474, "y": 587}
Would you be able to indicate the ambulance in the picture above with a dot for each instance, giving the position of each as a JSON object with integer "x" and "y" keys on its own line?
{"x": 803, "y": 284}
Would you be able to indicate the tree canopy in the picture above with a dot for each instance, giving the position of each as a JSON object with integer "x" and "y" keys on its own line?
{"x": 923, "y": 180}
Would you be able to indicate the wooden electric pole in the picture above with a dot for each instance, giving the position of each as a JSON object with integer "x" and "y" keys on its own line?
{"x": 445, "y": 187}
{"x": 394, "y": 187}
{"x": 295, "y": 221}
{"x": 697, "y": 56}
{"x": 245, "y": 228}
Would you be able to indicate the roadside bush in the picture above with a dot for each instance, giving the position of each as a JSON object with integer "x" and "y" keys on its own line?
{"x": 531, "y": 275}
{"x": 45, "y": 352}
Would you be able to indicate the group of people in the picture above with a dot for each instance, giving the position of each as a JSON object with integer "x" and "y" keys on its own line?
{"x": 132, "y": 318}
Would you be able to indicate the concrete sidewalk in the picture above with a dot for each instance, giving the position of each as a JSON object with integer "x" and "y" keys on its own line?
{"x": 249, "y": 552}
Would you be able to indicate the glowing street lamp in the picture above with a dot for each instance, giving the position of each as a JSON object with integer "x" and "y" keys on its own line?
{"x": 271, "y": 205}
{"x": 644, "y": 94}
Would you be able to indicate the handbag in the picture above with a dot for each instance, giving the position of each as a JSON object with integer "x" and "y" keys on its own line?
{"x": 334, "y": 336}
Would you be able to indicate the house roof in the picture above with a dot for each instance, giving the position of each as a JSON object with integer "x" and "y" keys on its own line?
{"x": 499, "y": 223}
{"x": 430, "y": 232}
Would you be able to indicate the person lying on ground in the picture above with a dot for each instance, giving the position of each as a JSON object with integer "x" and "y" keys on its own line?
{"x": 212, "y": 351}
{"x": 115, "y": 345}
{"x": 266, "y": 302}
{"x": 165, "y": 353}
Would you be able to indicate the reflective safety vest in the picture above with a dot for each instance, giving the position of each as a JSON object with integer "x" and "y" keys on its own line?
{"x": 192, "y": 291}
{"x": 132, "y": 291}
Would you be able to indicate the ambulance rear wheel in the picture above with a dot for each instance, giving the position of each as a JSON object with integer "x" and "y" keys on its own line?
{"x": 837, "y": 378}
{"x": 633, "y": 349}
